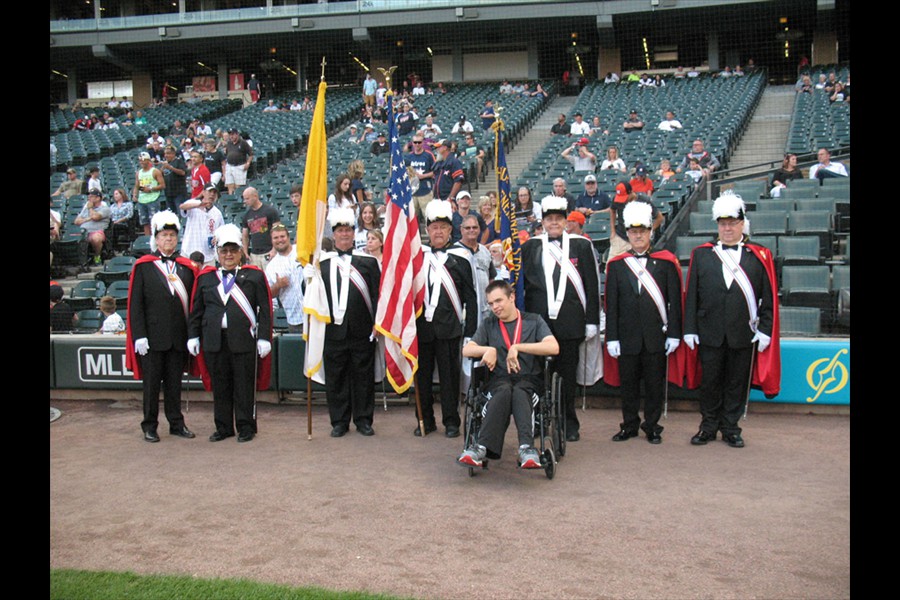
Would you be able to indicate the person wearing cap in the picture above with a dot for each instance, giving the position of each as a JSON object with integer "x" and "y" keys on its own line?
{"x": 708, "y": 162}
{"x": 71, "y": 186}
{"x": 94, "y": 219}
{"x": 148, "y": 183}
{"x": 584, "y": 160}
{"x": 487, "y": 115}
{"x": 93, "y": 182}
{"x": 351, "y": 280}
{"x": 670, "y": 123}
{"x": 238, "y": 156}
{"x": 462, "y": 126}
{"x": 731, "y": 321}
{"x": 579, "y": 127}
{"x": 633, "y": 123}
{"x": 256, "y": 224}
{"x": 369, "y": 134}
{"x": 450, "y": 314}
{"x": 448, "y": 172}
{"x": 353, "y": 135}
{"x": 380, "y": 145}
{"x": 156, "y": 329}
{"x": 231, "y": 321}
{"x": 641, "y": 182}
{"x": 618, "y": 237}
{"x": 562, "y": 285}
{"x": 463, "y": 210}
{"x": 575, "y": 224}
{"x": 643, "y": 325}
{"x": 422, "y": 161}
{"x": 560, "y": 127}
{"x": 203, "y": 217}
{"x": 155, "y": 137}
{"x": 592, "y": 200}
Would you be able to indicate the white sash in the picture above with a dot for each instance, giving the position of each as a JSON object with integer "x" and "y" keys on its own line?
{"x": 466, "y": 253}
{"x": 552, "y": 256}
{"x": 348, "y": 274}
{"x": 649, "y": 283}
{"x": 740, "y": 276}
{"x": 440, "y": 278}
{"x": 176, "y": 286}
{"x": 239, "y": 297}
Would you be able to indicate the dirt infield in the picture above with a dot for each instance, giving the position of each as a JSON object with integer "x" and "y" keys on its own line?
{"x": 394, "y": 514}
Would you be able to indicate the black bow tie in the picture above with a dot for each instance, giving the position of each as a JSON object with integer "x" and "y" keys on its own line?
{"x": 555, "y": 239}
{"x": 345, "y": 252}
{"x": 167, "y": 258}
{"x": 636, "y": 255}
{"x": 227, "y": 272}
{"x": 727, "y": 247}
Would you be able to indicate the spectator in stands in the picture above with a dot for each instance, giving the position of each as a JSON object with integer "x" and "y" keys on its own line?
{"x": 124, "y": 103}
{"x": 832, "y": 81}
{"x": 641, "y": 182}
{"x": 694, "y": 170}
{"x": 430, "y": 130}
{"x": 270, "y": 108}
{"x": 214, "y": 161}
{"x": 633, "y": 123}
{"x": 353, "y": 136}
{"x": 463, "y": 210}
{"x": 670, "y": 123}
{"x": 94, "y": 219}
{"x": 253, "y": 88}
{"x": 487, "y": 115}
{"x": 62, "y": 316}
{"x": 113, "y": 322}
{"x": 120, "y": 213}
{"x": 560, "y": 127}
{"x": 539, "y": 92}
{"x": 406, "y": 119}
{"x": 559, "y": 190}
{"x": 380, "y": 145}
{"x": 368, "y": 221}
{"x": 618, "y": 237}
{"x": 462, "y": 126}
{"x": 707, "y": 161}
{"x": 342, "y": 197}
{"x": 506, "y": 87}
{"x": 838, "y": 95}
{"x": 369, "y": 134}
{"x": 72, "y": 186}
{"x": 645, "y": 81}
{"x": 256, "y": 228}
{"x": 787, "y": 172}
{"x": 418, "y": 88}
{"x": 592, "y": 200}
{"x": 826, "y": 168}
{"x": 693, "y": 73}
{"x": 139, "y": 118}
{"x": 738, "y": 72}
{"x": 448, "y": 173}
{"x": 285, "y": 276}
{"x": 585, "y": 159}
{"x": 596, "y": 128}
{"x": 238, "y": 155}
{"x": 575, "y": 224}
{"x": 613, "y": 161}
{"x": 611, "y": 78}
{"x": 579, "y": 127}
{"x": 148, "y": 185}
{"x": 527, "y": 210}
{"x": 55, "y": 223}
{"x": 486, "y": 210}
{"x": 356, "y": 170}
{"x": 174, "y": 170}
{"x": 155, "y": 151}
{"x": 665, "y": 169}
{"x": 679, "y": 73}
{"x": 805, "y": 86}
{"x": 471, "y": 149}
{"x": 202, "y": 218}
{"x": 93, "y": 182}
{"x": 375, "y": 244}
{"x": 725, "y": 73}
{"x": 202, "y": 128}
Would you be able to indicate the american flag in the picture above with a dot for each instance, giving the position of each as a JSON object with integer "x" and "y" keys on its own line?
{"x": 403, "y": 280}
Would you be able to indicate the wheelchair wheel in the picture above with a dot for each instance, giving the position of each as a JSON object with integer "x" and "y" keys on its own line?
{"x": 548, "y": 461}
{"x": 559, "y": 421}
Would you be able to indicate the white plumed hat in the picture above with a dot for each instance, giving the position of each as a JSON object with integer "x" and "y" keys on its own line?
{"x": 438, "y": 210}
{"x": 637, "y": 214}
{"x": 164, "y": 219}
{"x": 341, "y": 216}
{"x": 554, "y": 204}
{"x": 229, "y": 234}
{"x": 728, "y": 206}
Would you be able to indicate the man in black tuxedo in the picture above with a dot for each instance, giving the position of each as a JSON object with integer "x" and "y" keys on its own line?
{"x": 643, "y": 322}
{"x": 351, "y": 280}
{"x": 730, "y": 312}
{"x": 231, "y": 318}
{"x": 158, "y": 301}
{"x": 449, "y": 314}
{"x": 572, "y": 315}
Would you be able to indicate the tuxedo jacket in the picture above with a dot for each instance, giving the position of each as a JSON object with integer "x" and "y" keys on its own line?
{"x": 632, "y": 317}
{"x": 207, "y": 309}
{"x": 718, "y": 314}
{"x": 154, "y": 312}
{"x": 446, "y": 325}
{"x": 358, "y": 318}
{"x": 573, "y": 317}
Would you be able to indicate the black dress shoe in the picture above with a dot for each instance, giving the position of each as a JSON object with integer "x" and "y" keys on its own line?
{"x": 365, "y": 429}
{"x": 452, "y": 431}
{"x": 734, "y": 440}
{"x": 338, "y": 430}
{"x": 654, "y": 437}
{"x": 151, "y": 436}
{"x": 573, "y": 437}
{"x": 219, "y": 436}
{"x": 623, "y": 435}
{"x": 702, "y": 438}
{"x": 183, "y": 432}
{"x": 428, "y": 429}
{"x": 246, "y": 436}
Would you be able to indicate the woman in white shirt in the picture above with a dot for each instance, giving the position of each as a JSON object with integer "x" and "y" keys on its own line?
{"x": 612, "y": 161}
{"x": 368, "y": 221}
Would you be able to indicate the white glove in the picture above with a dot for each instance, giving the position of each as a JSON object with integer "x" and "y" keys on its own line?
{"x": 763, "y": 340}
{"x": 309, "y": 271}
{"x": 193, "y": 346}
{"x": 142, "y": 346}
{"x": 672, "y": 345}
{"x": 692, "y": 339}
{"x": 614, "y": 349}
{"x": 263, "y": 348}
{"x": 590, "y": 331}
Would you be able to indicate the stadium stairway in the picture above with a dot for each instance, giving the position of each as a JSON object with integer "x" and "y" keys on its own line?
{"x": 766, "y": 136}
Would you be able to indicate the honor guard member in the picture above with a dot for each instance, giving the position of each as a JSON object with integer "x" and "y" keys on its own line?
{"x": 643, "y": 324}
{"x": 351, "y": 280}
{"x": 731, "y": 320}
{"x": 159, "y": 293}
{"x": 450, "y": 313}
{"x": 231, "y": 320}
{"x": 561, "y": 285}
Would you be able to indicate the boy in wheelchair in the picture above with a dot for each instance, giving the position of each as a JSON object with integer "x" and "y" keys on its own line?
{"x": 509, "y": 344}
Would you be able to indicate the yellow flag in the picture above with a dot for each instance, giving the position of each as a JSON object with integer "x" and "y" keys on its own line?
{"x": 311, "y": 218}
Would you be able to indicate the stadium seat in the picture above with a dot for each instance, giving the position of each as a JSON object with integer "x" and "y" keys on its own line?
{"x": 801, "y": 321}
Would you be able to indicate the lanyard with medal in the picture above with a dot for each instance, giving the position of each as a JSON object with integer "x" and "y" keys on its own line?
{"x": 517, "y": 335}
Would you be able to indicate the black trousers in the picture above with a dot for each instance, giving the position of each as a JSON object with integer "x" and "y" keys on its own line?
{"x": 447, "y": 355}
{"x": 723, "y": 391}
{"x": 508, "y": 397}
{"x": 349, "y": 381}
{"x": 567, "y": 367}
{"x": 233, "y": 377}
{"x": 162, "y": 370}
{"x": 651, "y": 368}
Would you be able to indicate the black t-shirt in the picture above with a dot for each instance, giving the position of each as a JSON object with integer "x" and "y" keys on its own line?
{"x": 175, "y": 185}
{"x": 61, "y": 317}
{"x": 534, "y": 329}
{"x": 259, "y": 223}
{"x": 213, "y": 161}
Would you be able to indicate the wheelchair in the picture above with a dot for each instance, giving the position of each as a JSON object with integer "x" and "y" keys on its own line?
{"x": 549, "y": 417}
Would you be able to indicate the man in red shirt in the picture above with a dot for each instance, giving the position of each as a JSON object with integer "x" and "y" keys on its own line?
{"x": 199, "y": 174}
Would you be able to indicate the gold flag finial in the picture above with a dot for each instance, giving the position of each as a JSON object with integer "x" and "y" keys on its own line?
{"x": 322, "y": 77}
{"x": 386, "y": 73}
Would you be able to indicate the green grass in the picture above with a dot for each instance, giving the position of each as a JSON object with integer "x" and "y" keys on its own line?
{"x": 68, "y": 584}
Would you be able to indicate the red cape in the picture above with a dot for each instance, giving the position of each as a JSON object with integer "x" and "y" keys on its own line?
{"x": 131, "y": 361}
{"x": 676, "y": 359}
{"x": 766, "y": 365}
{"x": 264, "y": 365}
